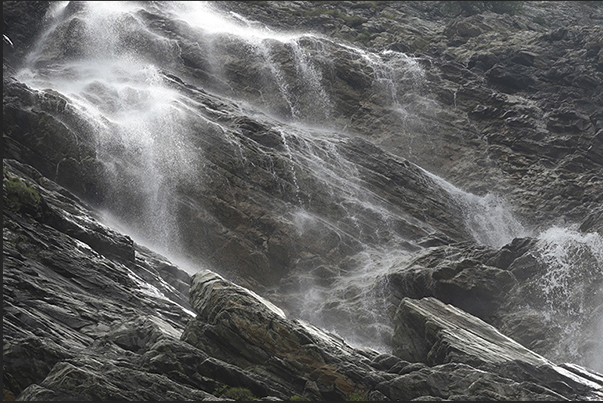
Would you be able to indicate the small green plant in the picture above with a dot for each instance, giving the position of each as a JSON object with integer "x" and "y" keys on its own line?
{"x": 219, "y": 390}
{"x": 296, "y": 398}
{"x": 358, "y": 397}
{"x": 18, "y": 195}
{"x": 235, "y": 393}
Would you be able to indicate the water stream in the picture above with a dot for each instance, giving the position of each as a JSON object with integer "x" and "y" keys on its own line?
{"x": 150, "y": 138}
{"x": 571, "y": 288}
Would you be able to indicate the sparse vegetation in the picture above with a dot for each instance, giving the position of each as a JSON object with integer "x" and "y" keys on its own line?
{"x": 297, "y": 398}
{"x": 235, "y": 393}
{"x": 18, "y": 195}
{"x": 358, "y": 397}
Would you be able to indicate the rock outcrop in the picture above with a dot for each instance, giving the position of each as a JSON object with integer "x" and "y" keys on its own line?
{"x": 87, "y": 321}
{"x": 193, "y": 213}
{"x": 515, "y": 288}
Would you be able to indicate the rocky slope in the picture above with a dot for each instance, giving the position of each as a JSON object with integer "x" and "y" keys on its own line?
{"x": 314, "y": 173}
{"x": 89, "y": 315}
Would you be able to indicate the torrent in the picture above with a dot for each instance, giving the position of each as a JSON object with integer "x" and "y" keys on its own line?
{"x": 295, "y": 199}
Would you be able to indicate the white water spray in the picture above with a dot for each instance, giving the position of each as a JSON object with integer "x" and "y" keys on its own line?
{"x": 143, "y": 132}
{"x": 301, "y": 87}
{"x": 572, "y": 289}
{"x": 486, "y": 217}
{"x": 140, "y": 124}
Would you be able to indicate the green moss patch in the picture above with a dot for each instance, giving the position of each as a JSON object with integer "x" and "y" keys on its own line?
{"x": 18, "y": 195}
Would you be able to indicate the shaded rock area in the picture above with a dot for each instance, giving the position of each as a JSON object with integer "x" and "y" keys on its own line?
{"x": 289, "y": 229}
{"x": 454, "y": 344}
{"x": 80, "y": 323}
{"x": 504, "y": 287}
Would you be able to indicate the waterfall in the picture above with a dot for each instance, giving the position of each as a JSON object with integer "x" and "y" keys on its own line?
{"x": 144, "y": 131}
{"x": 571, "y": 288}
{"x": 195, "y": 101}
{"x": 263, "y": 49}
{"x": 488, "y": 218}
{"x": 140, "y": 127}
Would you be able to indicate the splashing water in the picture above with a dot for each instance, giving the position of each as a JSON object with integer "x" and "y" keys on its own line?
{"x": 486, "y": 217}
{"x": 355, "y": 305}
{"x": 139, "y": 124}
{"x": 392, "y": 70}
{"x": 265, "y": 52}
{"x": 572, "y": 288}
{"x": 561, "y": 249}
{"x": 204, "y": 16}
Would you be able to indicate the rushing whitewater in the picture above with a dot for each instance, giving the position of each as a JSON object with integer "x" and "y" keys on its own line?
{"x": 487, "y": 217}
{"x": 156, "y": 138}
{"x": 570, "y": 291}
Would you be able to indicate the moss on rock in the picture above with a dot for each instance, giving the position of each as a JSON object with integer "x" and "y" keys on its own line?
{"x": 19, "y": 195}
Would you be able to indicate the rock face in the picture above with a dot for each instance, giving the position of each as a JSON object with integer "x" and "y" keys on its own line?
{"x": 334, "y": 201}
{"x": 511, "y": 95}
{"x": 90, "y": 315}
{"x": 515, "y": 288}
{"x": 439, "y": 335}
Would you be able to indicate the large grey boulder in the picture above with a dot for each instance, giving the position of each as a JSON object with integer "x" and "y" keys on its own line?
{"x": 241, "y": 328}
{"x": 430, "y": 331}
{"x": 461, "y": 347}
{"x": 518, "y": 289}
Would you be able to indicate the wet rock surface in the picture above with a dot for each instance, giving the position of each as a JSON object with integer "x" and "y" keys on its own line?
{"x": 72, "y": 333}
{"x": 504, "y": 287}
{"x": 512, "y": 95}
{"x": 497, "y": 104}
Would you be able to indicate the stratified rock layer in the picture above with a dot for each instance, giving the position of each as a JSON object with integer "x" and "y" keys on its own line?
{"x": 294, "y": 196}
{"x": 106, "y": 334}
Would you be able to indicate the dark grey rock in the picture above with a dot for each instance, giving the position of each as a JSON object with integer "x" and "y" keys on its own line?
{"x": 432, "y": 332}
{"x": 291, "y": 187}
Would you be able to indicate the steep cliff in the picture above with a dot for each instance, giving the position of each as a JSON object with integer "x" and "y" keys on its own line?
{"x": 327, "y": 200}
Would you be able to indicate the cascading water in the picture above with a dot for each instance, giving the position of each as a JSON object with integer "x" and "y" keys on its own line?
{"x": 259, "y": 47}
{"x": 151, "y": 133}
{"x": 138, "y": 124}
{"x": 354, "y": 304}
{"x": 143, "y": 128}
{"x": 486, "y": 217}
{"x": 571, "y": 289}
{"x": 567, "y": 292}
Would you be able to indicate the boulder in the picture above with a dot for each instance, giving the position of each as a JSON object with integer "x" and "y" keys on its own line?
{"x": 492, "y": 283}
{"x": 239, "y": 327}
{"x": 459, "y": 347}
